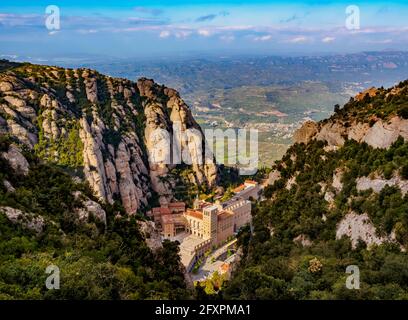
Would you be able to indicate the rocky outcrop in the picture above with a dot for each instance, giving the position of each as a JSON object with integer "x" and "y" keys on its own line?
{"x": 329, "y": 198}
{"x": 151, "y": 235}
{"x": 16, "y": 160}
{"x": 384, "y": 134}
{"x": 113, "y": 172}
{"x": 378, "y": 183}
{"x": 359, "y": 227}
{"x": 303, "y": 240}
{"x": 6, "y": 86}
{"x": 167, "y": 121}
{"x": 371, "y": 92}
{"x": 333, "y": 133}
{"x": 91, "y": 88}
{"x": 306, "y": 132}
{"x": 378, "y": 129}
{"x": 27, "y": 220}
{"x": 80, "y": 118}
{"x": 358, "y": 131}
{"x": 337, "y": 177}
{"x": 8, "y": 186}
{"x": 89, "y": 208}
{"x": 380, "y": 135}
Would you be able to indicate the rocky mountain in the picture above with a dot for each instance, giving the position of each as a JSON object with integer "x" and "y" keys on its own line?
{"x": 99, "y": 129}
{"x": 76, "y": 173}
{"x": 376, "y": 116}
{"x": 337, "y": 198}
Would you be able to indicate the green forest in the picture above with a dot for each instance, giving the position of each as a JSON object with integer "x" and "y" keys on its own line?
{"x": 276, "y": 267}
{"x": 112, "y": 260}
{"x": 96, "y": 262}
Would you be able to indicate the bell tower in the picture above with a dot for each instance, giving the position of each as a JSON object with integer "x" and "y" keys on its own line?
{"x": 196, "y": 203}
{"x": 210, "y": 215}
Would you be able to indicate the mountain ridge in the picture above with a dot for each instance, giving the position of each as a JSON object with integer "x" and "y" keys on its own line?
{"x": 79, "y": 118}
{"x": 375, "y": 116}
{"x": 337, "y": 198}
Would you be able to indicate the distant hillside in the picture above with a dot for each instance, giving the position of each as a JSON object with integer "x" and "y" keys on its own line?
{"x": 337, "y": 198}
{"x": 271, "y": 93}
{"x": 205, "y": 74}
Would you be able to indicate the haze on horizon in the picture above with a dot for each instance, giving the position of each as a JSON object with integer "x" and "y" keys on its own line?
{"x": 173, "y": 28}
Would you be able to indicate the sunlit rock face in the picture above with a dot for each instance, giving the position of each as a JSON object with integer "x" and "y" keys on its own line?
{"x": 382, "y": 134}
{"x": 100, "y": 126}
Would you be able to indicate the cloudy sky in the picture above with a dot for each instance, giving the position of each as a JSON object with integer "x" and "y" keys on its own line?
{"x": 166, "y": 28}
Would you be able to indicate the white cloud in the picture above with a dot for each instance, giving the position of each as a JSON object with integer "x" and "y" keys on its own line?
{"x": 182, "y": 34}
{"x": 164, "y": 34}
{"x": 328, "y": 39}
{"x": 9, "y": 56}
{"x": 263, "y": 38}
{"x": 300, "y": 39}
{"x": 204, "y": 32}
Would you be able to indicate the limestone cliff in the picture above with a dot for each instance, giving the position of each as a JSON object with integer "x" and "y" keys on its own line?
{"x": 98, "y": 127}
{"x": 375, "y": 116}
{"x": 359, "y": 227}
{"x": 348, "y": 173}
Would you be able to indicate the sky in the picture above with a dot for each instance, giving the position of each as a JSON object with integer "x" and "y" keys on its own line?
{"x": 155, "y": 28}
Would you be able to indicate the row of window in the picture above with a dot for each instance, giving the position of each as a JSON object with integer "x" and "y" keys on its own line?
{"x": 198, "y": 234}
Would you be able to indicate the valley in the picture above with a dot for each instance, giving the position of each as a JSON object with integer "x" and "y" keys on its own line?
{"x": 80, "y": 188}
{"x": 228, "y": 159}
{"x": 270, "y": 93}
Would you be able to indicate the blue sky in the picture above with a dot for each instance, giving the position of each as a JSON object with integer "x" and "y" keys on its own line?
{"x": 166, "y": 28}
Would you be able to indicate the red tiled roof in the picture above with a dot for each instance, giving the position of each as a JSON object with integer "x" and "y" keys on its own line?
{"x": 173, "y": 218}
{"x": 161, "y": 211}
{"x": 239, "y": 188}
{"x": 195, "y": 214}
{"x": 177, "y": 204}
{"x": 225, "y": 267}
